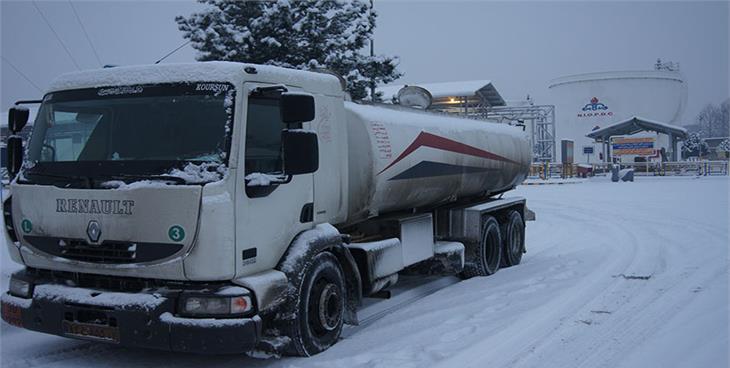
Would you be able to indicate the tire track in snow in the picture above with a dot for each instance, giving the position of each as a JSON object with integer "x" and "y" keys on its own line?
{"x": 635, "y": 317}
{"x": 58, "y": 355}
{"x": 636, "y": 308}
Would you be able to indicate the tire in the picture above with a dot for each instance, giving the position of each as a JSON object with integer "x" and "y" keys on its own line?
{"x": 485, "y": 257}
{"x": 320, "y": 306}
{"x": 513, "y": 233}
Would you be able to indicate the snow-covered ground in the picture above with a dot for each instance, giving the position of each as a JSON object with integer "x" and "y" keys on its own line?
{"x": 616, "y": 275}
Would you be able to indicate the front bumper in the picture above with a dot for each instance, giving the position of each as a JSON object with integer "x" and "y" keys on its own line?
{"x": 128, "y": 319}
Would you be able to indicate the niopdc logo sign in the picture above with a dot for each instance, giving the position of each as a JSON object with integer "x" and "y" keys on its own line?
{"x": 594, "y": 108}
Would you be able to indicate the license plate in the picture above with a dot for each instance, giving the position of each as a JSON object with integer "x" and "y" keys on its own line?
{"x": 91, "y": 331}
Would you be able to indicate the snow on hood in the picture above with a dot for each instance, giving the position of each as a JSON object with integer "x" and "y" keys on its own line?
{"x": 121, "y": 185}
{"x": 206, "y": 172}
{"x": 203, "y": 173}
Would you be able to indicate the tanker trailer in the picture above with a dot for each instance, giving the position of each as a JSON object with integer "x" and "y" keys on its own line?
{"x": 223, "y": 207}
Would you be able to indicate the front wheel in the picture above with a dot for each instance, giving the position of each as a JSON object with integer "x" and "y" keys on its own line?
{"x": 320, "y": 306}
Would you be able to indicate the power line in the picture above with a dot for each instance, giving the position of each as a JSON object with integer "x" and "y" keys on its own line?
{"x": 172, "y": 52}
{"x": 78, "y": 19}
{"x": 22, "y": 74}
{"x": 56, "y": 34}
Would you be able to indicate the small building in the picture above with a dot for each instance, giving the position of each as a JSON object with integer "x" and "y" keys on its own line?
{"x": 620, "y": 140}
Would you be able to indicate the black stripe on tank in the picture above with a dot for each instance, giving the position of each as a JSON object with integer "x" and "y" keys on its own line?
{"x": 426, "y": 169}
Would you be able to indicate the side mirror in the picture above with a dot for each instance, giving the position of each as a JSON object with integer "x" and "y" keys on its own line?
{"x": 300, "y": 151}
{"x": 14, "y": 156}
{"x": 296, "y": 107}
{"x": 17, "y": 118}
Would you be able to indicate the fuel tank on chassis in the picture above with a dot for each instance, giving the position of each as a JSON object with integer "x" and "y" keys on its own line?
{"x": 109, "y": 231}
{"x": 401, "y": 159}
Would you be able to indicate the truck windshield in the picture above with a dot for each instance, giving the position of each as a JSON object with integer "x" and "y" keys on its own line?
{"x": 148, "y": 127}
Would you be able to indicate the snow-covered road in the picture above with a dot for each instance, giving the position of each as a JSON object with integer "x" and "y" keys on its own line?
{"x": 616, "y": 275}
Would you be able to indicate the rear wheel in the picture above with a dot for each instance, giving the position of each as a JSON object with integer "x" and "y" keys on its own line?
{"x": 320, "y": 306}
{"x": 484, "y": 258}
{"x": 514, "y": 239}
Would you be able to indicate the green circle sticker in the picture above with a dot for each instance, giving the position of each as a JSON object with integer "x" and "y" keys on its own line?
{"x": 176, "y": 233}
{"x": 26, "y": 225}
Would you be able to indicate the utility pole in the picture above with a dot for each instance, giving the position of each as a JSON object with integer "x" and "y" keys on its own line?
{"x": 372, "y": 54}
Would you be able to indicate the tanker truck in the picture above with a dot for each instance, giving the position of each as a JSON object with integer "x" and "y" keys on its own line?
{"x": 224, "y": 207}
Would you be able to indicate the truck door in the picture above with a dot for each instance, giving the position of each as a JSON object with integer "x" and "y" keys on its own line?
{"x": 268, "y": 216}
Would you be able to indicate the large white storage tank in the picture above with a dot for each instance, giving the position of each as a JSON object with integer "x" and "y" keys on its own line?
{"x": 586, "y": 101}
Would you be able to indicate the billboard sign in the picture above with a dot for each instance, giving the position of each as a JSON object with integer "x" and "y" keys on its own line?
{"x": 633, "y": 146}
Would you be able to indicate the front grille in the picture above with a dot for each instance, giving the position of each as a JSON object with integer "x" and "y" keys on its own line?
{"x": 99, "y": 282}
{"x": 116, "y": 283}
{"x": 108, "y": 252}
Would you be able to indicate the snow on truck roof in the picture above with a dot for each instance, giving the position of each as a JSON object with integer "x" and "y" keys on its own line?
{"x": 451, "y": 89}
{"x": 210, "y": 71}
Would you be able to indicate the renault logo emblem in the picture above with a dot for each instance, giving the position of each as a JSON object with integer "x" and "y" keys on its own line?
{"x": 93, "y": 231}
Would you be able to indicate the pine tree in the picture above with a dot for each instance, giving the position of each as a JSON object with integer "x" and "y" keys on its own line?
{"x": 321, "y": 34}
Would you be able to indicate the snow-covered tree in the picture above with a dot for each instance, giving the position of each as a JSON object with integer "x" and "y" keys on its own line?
{"x": 321, "y": 34}
{"x": 694, "y": 146}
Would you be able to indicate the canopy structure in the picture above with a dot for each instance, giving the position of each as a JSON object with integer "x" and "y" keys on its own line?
{"x": 637, "y": 124}
{"x": 463, "y": 97}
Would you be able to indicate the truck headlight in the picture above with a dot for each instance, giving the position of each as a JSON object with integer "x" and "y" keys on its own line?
{"x": 215, "y": 306}
{"x": 20, "y": 288}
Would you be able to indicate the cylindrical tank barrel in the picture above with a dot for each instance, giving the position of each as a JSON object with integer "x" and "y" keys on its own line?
{"x": 401, "y": 159}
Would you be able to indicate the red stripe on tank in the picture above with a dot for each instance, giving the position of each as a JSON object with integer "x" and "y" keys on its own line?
{"x": 431, "y": 140}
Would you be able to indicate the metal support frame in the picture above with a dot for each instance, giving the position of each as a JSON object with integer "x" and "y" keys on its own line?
{"x": 541, "y": 119}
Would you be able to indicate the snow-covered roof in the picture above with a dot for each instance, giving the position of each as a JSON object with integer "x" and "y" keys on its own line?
{"x": 212, "y": 71}
{"x": 637, "y": 124}
{"x": 451, "y": 89}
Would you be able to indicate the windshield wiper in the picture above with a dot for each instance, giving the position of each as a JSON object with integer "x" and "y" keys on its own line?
{"x": 85, "y": 179}
{"x": 177, "y": 180}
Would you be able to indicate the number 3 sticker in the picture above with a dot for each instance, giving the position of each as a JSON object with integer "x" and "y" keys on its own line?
{"x": 176, "y": 233}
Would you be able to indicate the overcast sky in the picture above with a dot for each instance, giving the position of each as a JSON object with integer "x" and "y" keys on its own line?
{"x": 520, "y": 46}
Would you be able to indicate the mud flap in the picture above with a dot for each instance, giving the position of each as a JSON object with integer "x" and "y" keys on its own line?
{"x": 353, "y": 283}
